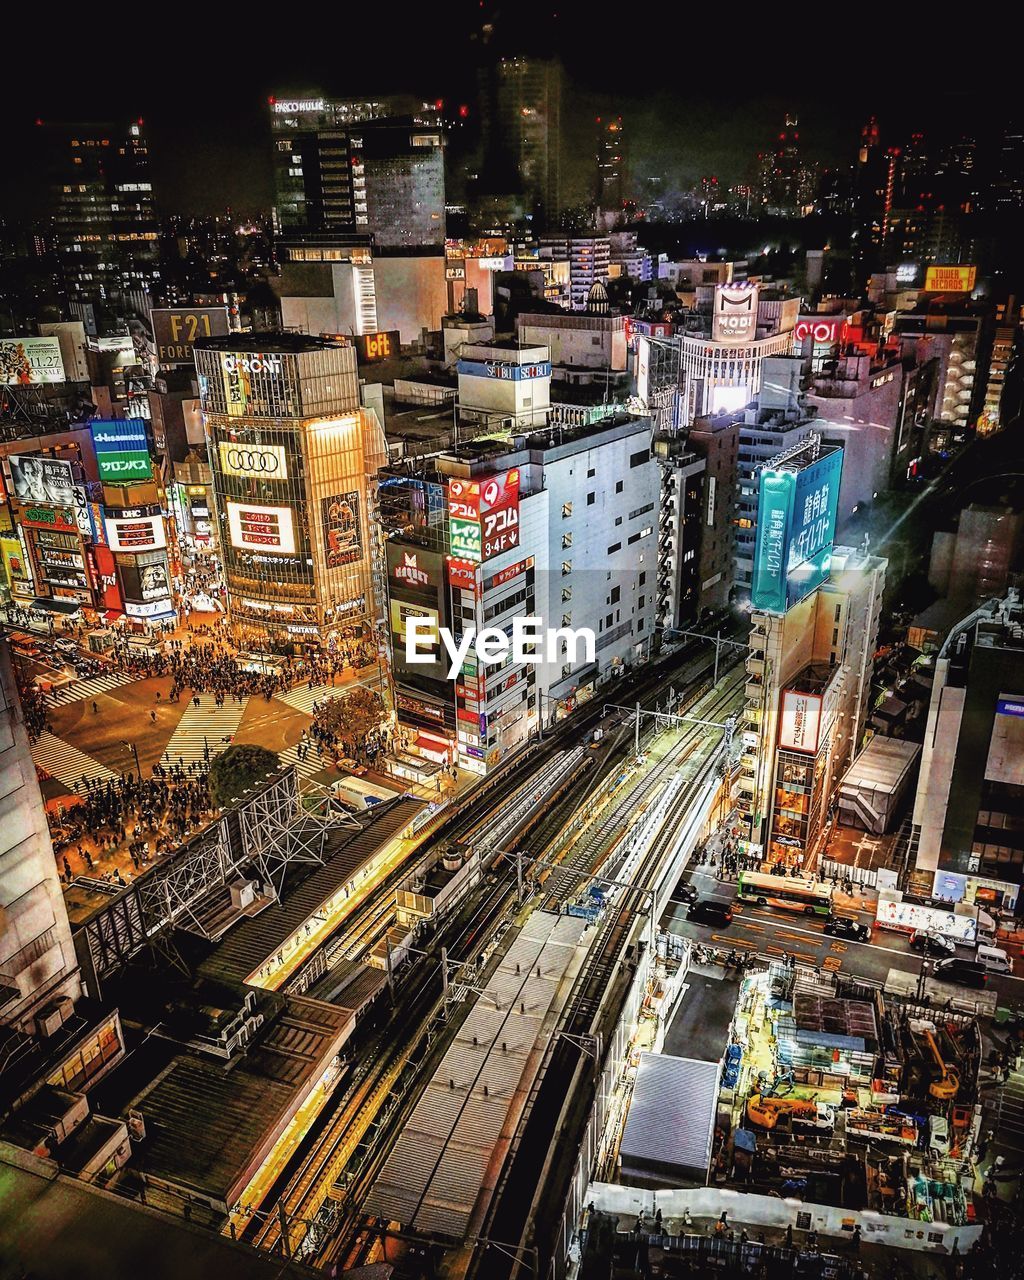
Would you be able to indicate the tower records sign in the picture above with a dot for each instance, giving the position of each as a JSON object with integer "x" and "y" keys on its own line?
{"x": 253, "y": 461}
{"x": 735, "y": 314}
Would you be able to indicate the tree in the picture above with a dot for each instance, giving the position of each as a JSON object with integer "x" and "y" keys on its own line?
{"x": 236, "y": 770}
{"x": 353, "y": 716}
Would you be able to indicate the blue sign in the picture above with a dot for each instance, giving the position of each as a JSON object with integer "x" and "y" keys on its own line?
{"x": 119, "y": 435}
{"x": 796, "y": 526}
{"x": 1010, "y": 707}
{"x": 504, "y": 371}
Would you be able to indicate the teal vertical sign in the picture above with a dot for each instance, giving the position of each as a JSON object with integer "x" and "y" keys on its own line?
{"x": 776, "y": 493}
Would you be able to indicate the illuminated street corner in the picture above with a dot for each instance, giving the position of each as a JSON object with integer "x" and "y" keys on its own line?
{"x": 512, "y": 650}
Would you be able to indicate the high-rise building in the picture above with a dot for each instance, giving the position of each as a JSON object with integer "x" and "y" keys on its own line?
{"x": 611, "y": 183}
{"x": 374, "y": 167}
{"x": 105, "y": 233}
{"x": 588, "y": 257}
{"x": 558, "y": 525}
{"x": 527, "y": 127}
{"x": 290, "y": 451}
{"x": 975, "y": 562}
{"x": 969, "y": 837}
{"x": 38, "y": 968}
{"x": 787, "y": 184}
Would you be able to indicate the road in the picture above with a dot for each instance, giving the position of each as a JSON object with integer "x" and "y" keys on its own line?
{"x": 755, "y": 928}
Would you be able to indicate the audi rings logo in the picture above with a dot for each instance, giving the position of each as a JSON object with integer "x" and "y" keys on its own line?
{"x": 250, "y": 460}
{"x": 264, "y": 462}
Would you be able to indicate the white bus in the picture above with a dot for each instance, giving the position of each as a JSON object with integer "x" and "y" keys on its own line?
{"x": 813, "y": 897}
{"x": 357, "y": 793}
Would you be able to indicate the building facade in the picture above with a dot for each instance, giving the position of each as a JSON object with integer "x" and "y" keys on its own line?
{"x": 290, "y": 452}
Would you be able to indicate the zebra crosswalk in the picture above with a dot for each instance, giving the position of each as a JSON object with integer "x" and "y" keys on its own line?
{"x": 66, "y": 763}
{"x": 201, "y": 728}
{"x": 1009, "y": 1103}
{"x": 82, "y": 689}
{"x": 302, "y": 696}
{"x": 304, "y": 768}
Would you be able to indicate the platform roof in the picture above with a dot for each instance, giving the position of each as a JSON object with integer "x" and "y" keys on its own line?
{"x": 671, "y": 1115}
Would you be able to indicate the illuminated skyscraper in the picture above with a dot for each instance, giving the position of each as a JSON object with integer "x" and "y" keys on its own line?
{"x": 612, "y": 177}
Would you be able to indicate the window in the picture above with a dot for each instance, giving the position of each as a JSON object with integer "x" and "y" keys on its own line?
{"x": 643, "y": 579}
{"x": 618, "y": 486}
{"x": 566, "y": 568}
{"x": 639, "y": 458}
{"x": 641, "y": 602}
{"x": 566, "y": 595}
{"x": 615, "y": 595}
{"x": 566, "y": 510}
{"x": 616, "y": 546}
{"x": 567, "y": 539}
{"x": 566, "y": 619}
{"x": 641, "y": 511}
{"x": 591, "y": 499}
{"x": 591, "y": 473}
{"x": 610, "y": 620}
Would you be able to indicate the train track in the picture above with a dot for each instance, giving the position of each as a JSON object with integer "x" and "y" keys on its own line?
{"x": 582, "y": 1018}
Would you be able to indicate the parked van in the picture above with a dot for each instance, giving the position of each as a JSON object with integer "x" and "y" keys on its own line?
{"x": 994, "y": 960}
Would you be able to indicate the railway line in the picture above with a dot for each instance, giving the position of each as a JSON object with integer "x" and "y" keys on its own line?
{"x": 352, "y": 1134}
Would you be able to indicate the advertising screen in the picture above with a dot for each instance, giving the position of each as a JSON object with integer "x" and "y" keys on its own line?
{"x": 796, "y": 522}
{"x": 122, "y": 450}
{"x": 499, "y": 514}
{"x": 465, "y": 539}
{"x": 734, "y": 320}
{"x": 37, "y": 479}
{"x": 28, "y": 362}
{"x": 136, "y": 533}
{"x": 253, "y": 461}
{"x": 343, "y": 537}
{"x": 800, "y": 721}
{"x": 955, "y": 279}
{"x": 414, "y": 569}
{"x": 372, "y": 348}
{"x": 254, "y": 528}
{"x": 176, "y": 330}
{"x": 60, "y": 519}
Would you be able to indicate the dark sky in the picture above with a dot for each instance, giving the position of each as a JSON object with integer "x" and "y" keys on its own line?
{"x": 697, "y": 95}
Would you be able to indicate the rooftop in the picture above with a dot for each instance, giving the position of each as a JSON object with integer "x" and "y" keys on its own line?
{"x": 882, "y": 765}
{"x": 271, "y": 340}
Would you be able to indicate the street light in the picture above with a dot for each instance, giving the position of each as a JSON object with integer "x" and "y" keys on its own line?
{"x": 135, "y": 752}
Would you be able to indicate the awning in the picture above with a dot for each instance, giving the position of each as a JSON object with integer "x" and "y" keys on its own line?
{"x": 431, "y": 748}
{"x": 51, "y": 604}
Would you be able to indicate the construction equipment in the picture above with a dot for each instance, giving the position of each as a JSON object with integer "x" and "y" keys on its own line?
{"x": 767, "y": 1112}
{"x": 947, "y": 1086}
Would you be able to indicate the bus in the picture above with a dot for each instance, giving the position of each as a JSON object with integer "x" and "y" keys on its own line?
{"x": 813, "y": 897}
{"x": 357, "y": 794}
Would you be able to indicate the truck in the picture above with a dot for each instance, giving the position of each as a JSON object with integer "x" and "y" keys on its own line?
{"x": 767, "y": 1112}
{"x": 881, "y": 1126}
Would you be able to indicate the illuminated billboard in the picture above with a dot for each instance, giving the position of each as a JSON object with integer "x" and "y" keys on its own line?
{"x": 800, "y": 721}
{"x": 483, "y": 516}
{"x": 824, "y": 331}
{"x": 734, "y": 319}
{"x": 253, "y": 461}
{"x": 372, "y": 348}
{"x": 176, "y": 330}
{"x": 954, "y": 279}
{"x": 122, "y": 450}
{"x": 343, "y": 536}
{"x": 141, "y": 530}
{"x": 38, "y": 479}
{"x": 255, "y": 528}
{"x": 796, "y": 524}
{"x": 27, "y": 362}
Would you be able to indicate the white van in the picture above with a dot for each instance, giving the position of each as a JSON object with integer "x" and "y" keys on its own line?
{"x": 994, "y": 960}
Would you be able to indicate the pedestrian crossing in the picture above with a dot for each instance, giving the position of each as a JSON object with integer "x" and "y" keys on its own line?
{"x": 302, "y": 697}
{"x": 66, "y": 763}
{"x": 82, "y": 689}
{"x": 204, "y": 726}
{"x": 1010, "y": 1113}
{"x": 307, "y": 768}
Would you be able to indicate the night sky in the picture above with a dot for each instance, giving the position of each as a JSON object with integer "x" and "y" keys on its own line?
{"x": 697, "y": 98}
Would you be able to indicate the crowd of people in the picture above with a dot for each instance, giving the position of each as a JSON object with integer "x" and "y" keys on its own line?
{"x": 147, "y": 816}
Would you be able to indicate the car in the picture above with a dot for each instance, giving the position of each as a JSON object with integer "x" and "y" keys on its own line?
{"x": 847, "y": 927}
{"x": 965, "y": 973}
{"x": 932, "y": 944}
{"x": 710, "y": 911}
{"x": 938, "y": 1135}
{"x": 685, "y": 892}
{"x": 65, "y": 645}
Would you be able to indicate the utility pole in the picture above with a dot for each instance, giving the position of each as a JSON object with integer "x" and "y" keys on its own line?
{"x": 519, "y": 876}
{"x": 444, "y": 971}
{"x": 636, "y": 735}
{"x": 718, "y": 650}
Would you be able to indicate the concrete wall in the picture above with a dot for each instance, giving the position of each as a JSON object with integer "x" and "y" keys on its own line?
{"x": 412, "y": 295}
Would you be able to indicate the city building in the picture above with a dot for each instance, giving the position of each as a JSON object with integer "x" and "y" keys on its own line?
{"x": 696, "y": 525}
{"x": 525, "y": 127}
{"x": 290, "y": 449}
{"x": 979, "y": 559}
{"x": 787, "y": 183}
{"x": 959, "y": 335}
{"x": 611, "y": 178}
{"x": 105, "y": 232}
{"x": 558, "y": 525}
{"x": 587, "y": 347}
{"x": 815, "y": 616}
{"x": 504, "y": 383}
{"x": 589, "y": 258}
{"x": 1004, "y": 351}
{"x": 627, "y": 258}
{"x": 968, "y": 838}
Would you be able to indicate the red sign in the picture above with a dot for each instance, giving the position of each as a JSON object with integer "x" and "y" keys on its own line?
{"x": 824, "y": 330}
{"x": 506, "y": 575}
{"x": 462, "y": 573}
{"x": 499, "y": 513}
{"x": 464, "y": 499}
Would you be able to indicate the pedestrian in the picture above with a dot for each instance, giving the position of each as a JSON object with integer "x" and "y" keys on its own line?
{"x": 152, "y": 716}
{"x": 95, "y": 708}
{"x": 856, "y": 1238}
